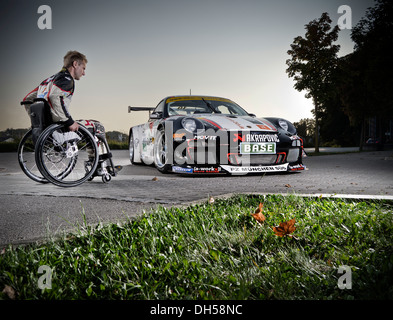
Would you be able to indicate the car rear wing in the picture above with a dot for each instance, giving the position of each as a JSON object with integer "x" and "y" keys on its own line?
{"x": 140, "y": 109}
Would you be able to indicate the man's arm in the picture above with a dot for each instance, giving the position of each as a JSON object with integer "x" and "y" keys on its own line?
{"x": 59, "y": 98}
{"x": 74, "y": 126}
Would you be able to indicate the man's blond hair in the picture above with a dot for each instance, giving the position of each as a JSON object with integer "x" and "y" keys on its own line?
{"x": 72, "y": 56}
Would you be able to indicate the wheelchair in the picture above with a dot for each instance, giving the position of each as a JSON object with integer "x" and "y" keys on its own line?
{"x": 49, "y": 152}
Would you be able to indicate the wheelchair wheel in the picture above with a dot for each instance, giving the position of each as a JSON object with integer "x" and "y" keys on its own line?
{"x": 26, "y": 158}
{"x": 66, "y": 158}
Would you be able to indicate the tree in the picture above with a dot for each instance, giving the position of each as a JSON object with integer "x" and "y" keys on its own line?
{"x": 305, "y": 129}
{"x": 352, "y": 90}
{"x": 373, "y": 36}
{"x": 314, "y": 58}
{"x": 335, "y": 128}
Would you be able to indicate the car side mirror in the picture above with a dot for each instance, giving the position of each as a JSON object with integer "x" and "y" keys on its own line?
{"x": 156, "y": 115}
{"x": 252, "y": 115}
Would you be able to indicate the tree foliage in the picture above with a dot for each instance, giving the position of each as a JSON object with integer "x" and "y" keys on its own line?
{"x": 373, "y": 36}
{"x": 347, "y": 91}
{"x": 306, "y": 129}
{"x": 313, "y": 60}
{"x": 366, "y": 74}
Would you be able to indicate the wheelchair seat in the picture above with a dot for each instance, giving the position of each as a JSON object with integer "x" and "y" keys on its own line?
{"x": 40, "y": 117}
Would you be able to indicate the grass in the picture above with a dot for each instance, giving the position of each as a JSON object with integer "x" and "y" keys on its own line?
{"x": 217, "y": 251}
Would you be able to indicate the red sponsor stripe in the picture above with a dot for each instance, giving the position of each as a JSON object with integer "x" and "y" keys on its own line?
{"x": 213, "y": 123}
{"x": 50, "y": 102}
{"x": 278, "y": 157}
{"x": 36, "y": 89}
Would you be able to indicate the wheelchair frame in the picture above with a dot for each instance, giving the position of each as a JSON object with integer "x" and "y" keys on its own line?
{"x": 60, "y": 156}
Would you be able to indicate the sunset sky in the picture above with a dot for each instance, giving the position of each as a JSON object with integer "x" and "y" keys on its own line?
{"x": 140, "y": 51}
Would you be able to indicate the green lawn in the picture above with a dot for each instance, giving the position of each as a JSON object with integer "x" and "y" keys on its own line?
{"x": 216, "y": 251}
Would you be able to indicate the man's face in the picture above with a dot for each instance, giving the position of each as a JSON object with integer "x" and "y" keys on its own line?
{"x": 79, "y": 69}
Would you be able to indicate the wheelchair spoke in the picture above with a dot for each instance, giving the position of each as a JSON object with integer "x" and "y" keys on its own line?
{"x": 63, "y": 156}
{"x": 26, "y": 158}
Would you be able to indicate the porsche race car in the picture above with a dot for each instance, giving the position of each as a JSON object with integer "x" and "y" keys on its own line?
{"x": 209, "y": 135}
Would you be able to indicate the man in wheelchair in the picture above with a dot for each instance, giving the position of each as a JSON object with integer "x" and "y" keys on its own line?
{"x": 49, "y": 103}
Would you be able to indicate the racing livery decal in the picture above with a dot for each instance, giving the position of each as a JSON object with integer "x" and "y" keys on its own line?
{"x": 213, "y": 135}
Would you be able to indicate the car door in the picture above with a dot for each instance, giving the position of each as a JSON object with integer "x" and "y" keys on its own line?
{"x": 149, "y": 132}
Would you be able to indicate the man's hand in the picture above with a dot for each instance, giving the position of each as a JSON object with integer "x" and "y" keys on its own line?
{"x": 74, "y": 126}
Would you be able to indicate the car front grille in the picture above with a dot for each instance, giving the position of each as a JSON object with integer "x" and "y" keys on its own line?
{"x": 263, "y": 159}
{"x": 252, "y": 159}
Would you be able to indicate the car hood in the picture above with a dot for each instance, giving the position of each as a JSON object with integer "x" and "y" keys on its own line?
{"x": 230, "y": 122}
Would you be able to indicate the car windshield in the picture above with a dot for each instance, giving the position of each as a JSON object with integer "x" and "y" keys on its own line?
{"x": 197, "y": 105}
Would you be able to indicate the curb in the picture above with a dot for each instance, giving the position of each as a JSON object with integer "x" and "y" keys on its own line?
{"x": 304, "y": 195}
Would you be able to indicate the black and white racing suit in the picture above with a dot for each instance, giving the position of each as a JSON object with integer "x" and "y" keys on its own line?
{"x": 58, "y": 90}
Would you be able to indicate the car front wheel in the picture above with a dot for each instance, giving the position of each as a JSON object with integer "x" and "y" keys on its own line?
{"x": 161, "y": 152}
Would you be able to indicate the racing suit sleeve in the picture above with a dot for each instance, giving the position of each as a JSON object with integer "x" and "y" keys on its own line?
{"x": 60, "y": 92}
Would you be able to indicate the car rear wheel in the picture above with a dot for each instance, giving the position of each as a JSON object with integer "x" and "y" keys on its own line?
{"x": 161, "y": 152}
{"x": 131, "y": 148}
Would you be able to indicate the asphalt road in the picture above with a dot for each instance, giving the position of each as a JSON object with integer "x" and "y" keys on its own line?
{"x": 31, "y": 211}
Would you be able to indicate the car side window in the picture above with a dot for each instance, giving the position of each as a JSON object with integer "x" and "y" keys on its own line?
{"x": 160, "y": 107}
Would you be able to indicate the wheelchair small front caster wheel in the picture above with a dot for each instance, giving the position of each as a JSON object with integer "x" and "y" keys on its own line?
{"x": 106, "y": 178}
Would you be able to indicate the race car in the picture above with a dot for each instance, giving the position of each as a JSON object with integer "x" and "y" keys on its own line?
{"x": 212, "y": 135}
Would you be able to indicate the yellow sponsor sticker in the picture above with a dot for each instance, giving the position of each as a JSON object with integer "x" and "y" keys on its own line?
{"x": 184, "y": 98}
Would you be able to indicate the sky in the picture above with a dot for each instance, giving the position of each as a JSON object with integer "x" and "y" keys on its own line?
{"x": 140, "y": 51}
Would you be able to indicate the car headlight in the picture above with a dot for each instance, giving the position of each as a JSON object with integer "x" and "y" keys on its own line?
{"x": 189, "y": 124}
{"x": 283, "y": 124}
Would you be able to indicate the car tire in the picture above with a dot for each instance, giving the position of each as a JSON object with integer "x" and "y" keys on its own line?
{"x": 161, "y": 152}
{"x": 131, "y": 148}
